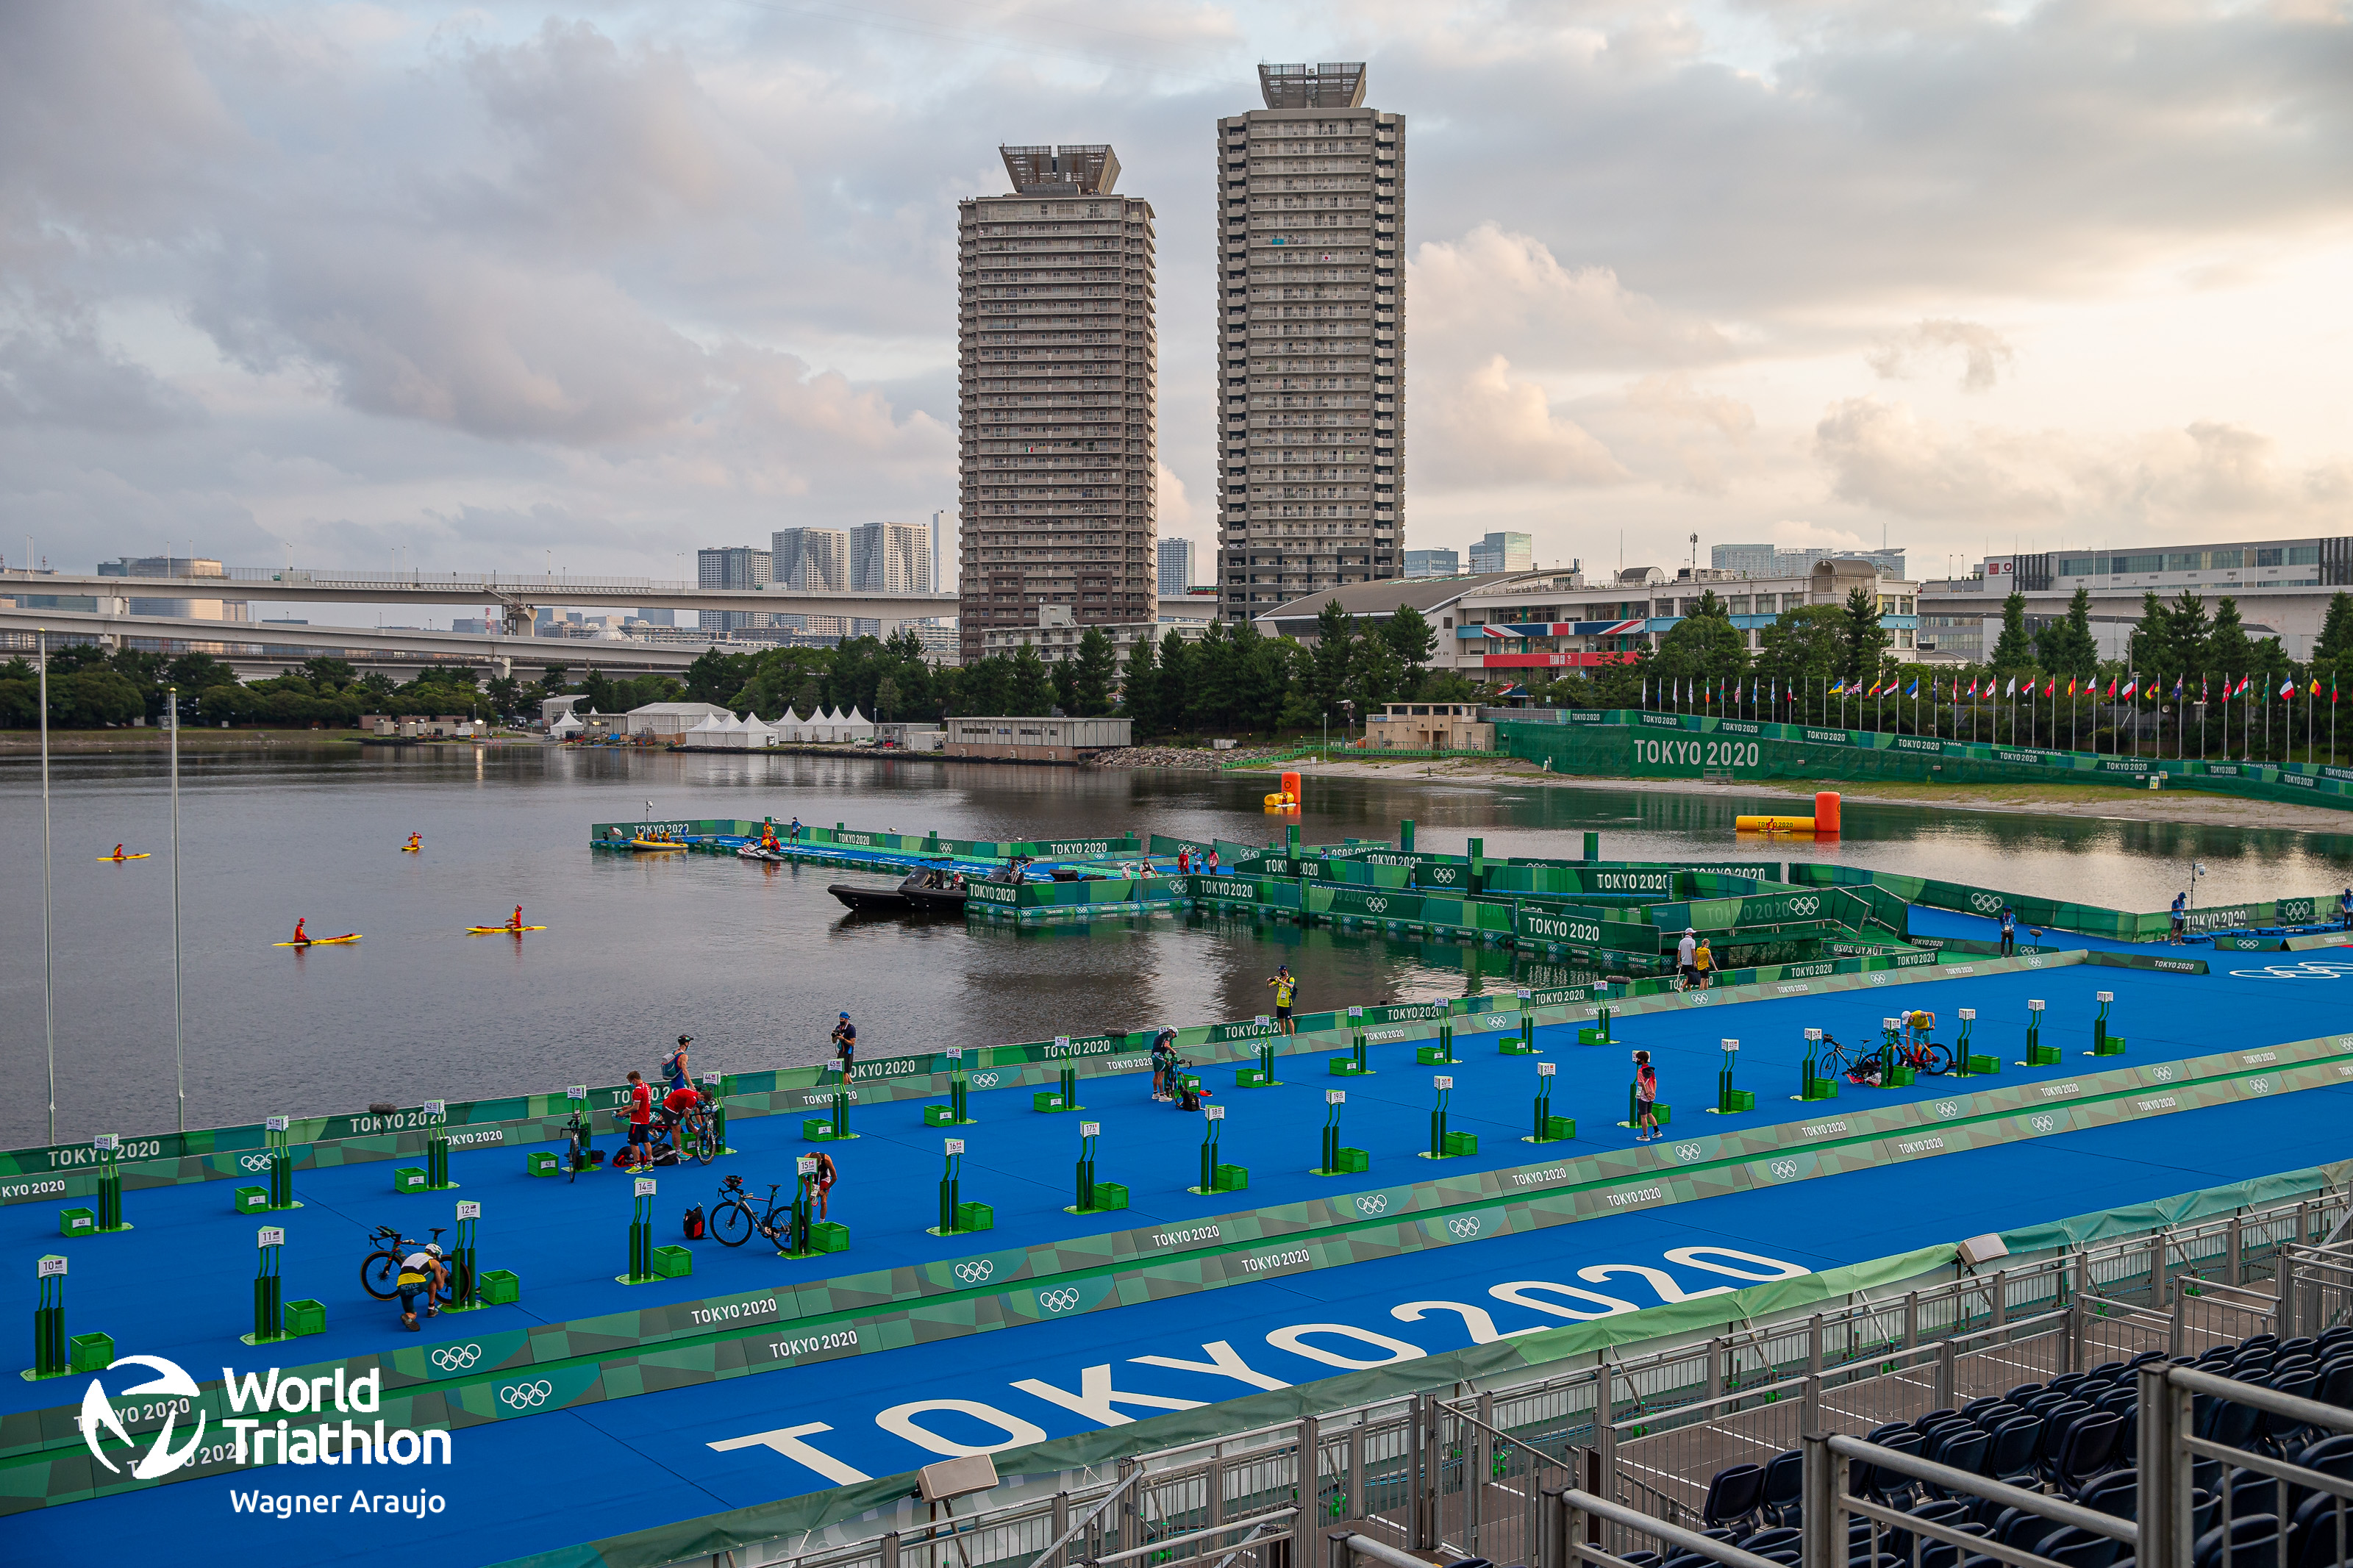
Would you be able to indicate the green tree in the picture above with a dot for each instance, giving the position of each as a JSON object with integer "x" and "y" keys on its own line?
{"x": 1214, "y": 694}
{"x": 1031, "y": 689}
{"x": 1179, "y": 672}
{"x": 330, "y": 674}
{"x": 1866, "y": 640}
{"x": 1412, "y": 641}
{"x": 2067, "y": 647}
{"x": 1378, "y": 675}
{"x": 2228, "y": 650}
{"x": 2014, "y": 651}
{"x": 1804, "y": 650}
{"x": 1094, "y": 669}
{"x": 1139, "y": 689}
{"x": 713, "y": 676}
{"x": 1704, "y": 647}
{"x": 1065, "y": 676}
{"x": 2336, "y": 630}
{"x": 887, "y": 703}
{"x": 1329, "y": 663}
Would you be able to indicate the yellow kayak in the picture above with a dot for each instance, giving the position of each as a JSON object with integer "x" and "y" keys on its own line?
{"x": 496, "y": 930}
{"x": 144, "y": 855}
{"x": 654, "y": 844}
{"x": 320, "y": 940}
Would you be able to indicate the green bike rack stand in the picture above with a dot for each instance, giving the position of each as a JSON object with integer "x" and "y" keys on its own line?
{"x": 800, "y": 1238}
{"x": 1523, "y": 1044}
{"x": 1444, "y": 1144}
{"x": 1102, "y": 1197}
{"x": 281, "y": 1164}
{"x": 269, "y": 1288}
{"x": 1441, "y": 1055}
{"x": 641, "y": 1234}
{"x": 1659, "y": 1108}
{"x": 108, "y": 1219}
{"x": 50, "y": 1358}
{"x": 465, "y": 1262}
{"x": 1261, "y": 1076}
{"x": 720, "y": 1086}
{"x": 1968, "y": 1063}
{"x": 2104, "y": 1044}
{"x": 1338, "y": 1161}
{"x": 577, "y": 1157}
{"x": 1549, "y": 1128}
{"x": 2037, "y": 1054}
{"x": 1811, "y": 1084}
{"x": 436, "y": 1148}
{"x": 958, "y": 1111}
{"x": 1731, "y": 1101}
{"x": 958, "y": 1218}
{"x": 1215, "y": 1176}
{"x": 1894, "y": 1072}
{"x": 1353, "y": 1064}
{"x": 834, "y": 1126}
{"x": 1597, "y": 1032}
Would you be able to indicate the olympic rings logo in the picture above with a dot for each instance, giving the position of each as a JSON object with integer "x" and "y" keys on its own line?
{"x": 456, "y": 1358}
{"x": 254, "y": 1161}
{"x": 1784, "y": 1170}
{"x": 2259, "y": 1086}
{"x": 526, "y": 1395}
{"x": 1464, "y": 1226}
{"x": 1985, "y": 901}
{"x": 2041, "y": 1124}
{"x": 1373, "y": 1203}
{"x": 984, "y": 1080}
{"x": 1948, "y": 1108}
{"x": 974, "y": 1272}
{"x": 1688, "y": 1152}
{"x": 1374, "y": 906}
{"x": 1058, "y": 1300}
{"x": 1877, "y": 979}
{"x": 1806, "y": 906}
{"x": 2162, "y": 1074}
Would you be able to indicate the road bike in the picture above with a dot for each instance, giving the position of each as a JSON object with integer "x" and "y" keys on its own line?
{"x": 736, "y": 1216}
{"x": 380, "y": 1269}
{"x": 1835, "y": 1062}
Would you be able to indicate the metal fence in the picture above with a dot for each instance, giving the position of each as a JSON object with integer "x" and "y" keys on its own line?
{"x": 1628, "y": 1447}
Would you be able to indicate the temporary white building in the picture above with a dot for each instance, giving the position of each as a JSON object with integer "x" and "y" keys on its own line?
{"x": 566, "y": 726}
{"x": 709, "y": 733}
{"x": 856, "y": 727}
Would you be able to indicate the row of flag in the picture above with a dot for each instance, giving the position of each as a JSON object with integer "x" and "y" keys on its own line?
{"x": 2120, "y": 688}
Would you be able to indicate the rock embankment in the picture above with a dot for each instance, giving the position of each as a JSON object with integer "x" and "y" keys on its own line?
{"x": 1199, "y": 757}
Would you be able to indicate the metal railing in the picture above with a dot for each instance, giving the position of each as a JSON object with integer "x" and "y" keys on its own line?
{"x": 1489, "y": 1473}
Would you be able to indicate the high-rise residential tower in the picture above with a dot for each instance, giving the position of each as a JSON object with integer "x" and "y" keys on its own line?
{"x": 815, "y": 560}
{"x": 1058, "y": 363}
{"x": 739, "y": 566}
{"x": 891, "y": 557}
{"x": 1310, "y": 312}
{"x": 1176, "y": 566}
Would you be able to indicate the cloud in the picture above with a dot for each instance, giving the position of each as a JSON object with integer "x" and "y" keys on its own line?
{"x": 2169, "y": 484}
{"x": 1983, "y": 353}
{"x": 1488, "y": 429}
{"x": 1493, "y": 291}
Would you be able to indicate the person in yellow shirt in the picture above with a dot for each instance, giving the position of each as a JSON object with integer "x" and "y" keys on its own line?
{"x": 1704, "y": 961}
{"x": 1285, "y": 986}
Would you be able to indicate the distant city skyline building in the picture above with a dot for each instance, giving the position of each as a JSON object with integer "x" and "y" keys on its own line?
{"x": 1176, "y": 566}
{"x": 1058, "y": 367}
{"x": 891, "y": 558}
{"x": 1504, "y": 553}
{"x": 1310, "y": 322}
{"x": 176, "y": 566}
{"x": 815, "y": 560}
{"x": 1433, "y": 564}
{"x": 731, "y": 566}
{"x": 1784, "y": 561}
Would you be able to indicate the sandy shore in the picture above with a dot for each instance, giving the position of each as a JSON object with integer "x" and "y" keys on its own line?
{"x": 2114, "y": 804}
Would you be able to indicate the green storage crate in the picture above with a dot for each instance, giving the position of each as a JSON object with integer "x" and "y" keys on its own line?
{"x": 819, "y": 1128}
{"x": 1354, "y": 1162}
{"x": 1984, "y": 1064}
{"x": 77, "y": 1221}
{"x": 253, "y": 1200}
{"x": 1252, "y": 1077}
{"x": 1231, "y": 1179}
{"x": 828, "y": 1236}
{"x": 1557, "y": 1127}
{"x": 1188, "y": 1080}
{"x": 1899, "y": 1076}
{"x": 305, "y": 1318}
{"x": 501, "y": 1288}
{"x": 1821, "y": 1088}
{"x": 1431, "y": 1056}
{"x": 1344, "y": 1066}
{"x": 541, "y": 1163}
{"x": 2042, "y": 1055}
{"x": 1592, "y": 1036}
{"x": 2113, "y": 1045}
{"x": 939, "y": 1116}
{"x": 1512, "y": 1045}
{"x": 1736, "y": 1100}
{"x": 1109, "y": 1196}
{"x": 408, "y": 1179}
{"x": 674, "y": 1262}
{"x": 91, "y": 1352}
{"x": 1047, "y": 1100}
{"x": 1453, "y": 1143}
{"x": 975, "y": 1216}
{"x": 1663, "y": 1111}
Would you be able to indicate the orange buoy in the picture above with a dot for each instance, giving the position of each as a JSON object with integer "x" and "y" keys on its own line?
{"x": 1826, "y": 812}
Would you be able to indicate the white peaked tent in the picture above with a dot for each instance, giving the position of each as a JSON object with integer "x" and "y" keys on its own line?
{"x": 820, "y": 724}
{"x": 788, "y": 728}
{"x": 757, "y": 736}
{"x": 566, "y": 726}
{"x": 706, "y": 733}
{"x": 856, "y": 727}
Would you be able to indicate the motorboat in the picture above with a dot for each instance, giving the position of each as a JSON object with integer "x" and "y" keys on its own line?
{"x": 926, "y": 890}
{"x": 864, "y": 899}
{"x": 753, "y": 852}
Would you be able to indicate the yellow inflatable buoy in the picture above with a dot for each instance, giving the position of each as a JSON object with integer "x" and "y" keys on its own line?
{"x": 1773, "y": 825}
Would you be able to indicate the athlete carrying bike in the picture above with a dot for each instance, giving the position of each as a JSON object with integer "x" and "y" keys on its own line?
{"x": 423, "y": 1273}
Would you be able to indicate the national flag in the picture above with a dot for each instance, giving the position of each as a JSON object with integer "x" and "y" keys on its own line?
{"x": 2051, "y": 686}
{"x": 2013, "y": 687}
{"x": 2287, "y": 689}
{"x": 1838, "y": 687}
{"x": 2202, "y": 689}
{"x": 2130, "y": 687}
{"x": 1915, "y": 692}
{"x": 2112, "y": 688}
{"x": 2316, "y": 685}
{"x": 2071, "y": 686}
{"x": 2176, "y": 688}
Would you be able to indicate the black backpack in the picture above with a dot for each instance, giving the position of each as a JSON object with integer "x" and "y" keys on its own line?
{"x": 694, "y": 1223}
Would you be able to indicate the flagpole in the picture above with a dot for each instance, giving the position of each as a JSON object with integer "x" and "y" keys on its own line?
{"x": 48, "y": 981}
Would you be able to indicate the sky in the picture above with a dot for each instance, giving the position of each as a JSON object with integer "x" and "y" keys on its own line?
{"x": 506, "y": 285}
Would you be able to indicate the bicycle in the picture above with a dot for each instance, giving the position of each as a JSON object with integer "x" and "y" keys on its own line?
{"x": 1836, "y": 1061}
{"x": 380, "y": 1269}
{"x": 679, "y": 1136}
{"x": 733, "y": 1221}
